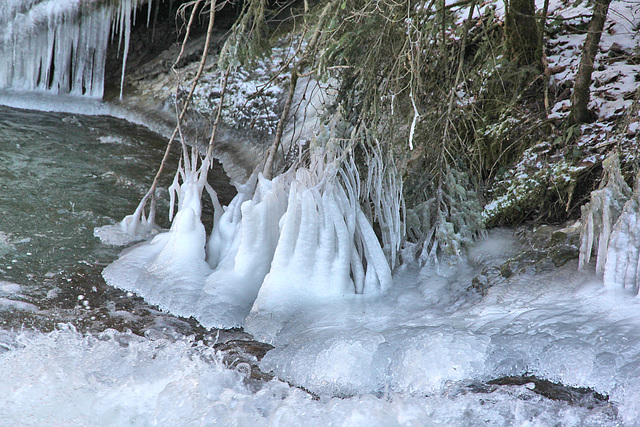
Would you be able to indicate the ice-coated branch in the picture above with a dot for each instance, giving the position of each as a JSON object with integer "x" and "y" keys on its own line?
{"x": 293, "y": 81}
{"x": 130, "y": 223}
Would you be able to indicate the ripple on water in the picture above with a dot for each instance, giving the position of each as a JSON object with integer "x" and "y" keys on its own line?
{"x": 61, "y": 176}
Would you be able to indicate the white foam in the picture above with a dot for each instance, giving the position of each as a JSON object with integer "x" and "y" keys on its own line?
{"x": 110, "y": 379}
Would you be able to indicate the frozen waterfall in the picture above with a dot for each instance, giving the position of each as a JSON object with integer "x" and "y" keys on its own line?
{"x": 60, "y": 46}
{"x": 611, "y": 229}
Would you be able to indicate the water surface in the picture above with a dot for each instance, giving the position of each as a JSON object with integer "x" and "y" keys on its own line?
{"x": 62, "y": 175}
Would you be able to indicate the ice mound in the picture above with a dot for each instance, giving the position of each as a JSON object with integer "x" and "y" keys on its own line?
{"x": 330, "y": 361}
{"x": 281, "y": 244}
{"x": 349, "y": 361}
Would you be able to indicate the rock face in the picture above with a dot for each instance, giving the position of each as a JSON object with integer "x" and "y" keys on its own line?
{"x": 543, "y": 248}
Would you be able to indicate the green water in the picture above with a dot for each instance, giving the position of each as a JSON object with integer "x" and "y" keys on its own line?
{"x": 61, "y": 176}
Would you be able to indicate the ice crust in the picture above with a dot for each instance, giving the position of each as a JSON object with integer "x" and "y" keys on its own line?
{"x": 425, "y": 337}
{"x": 561, "y": 326}
{"x": 61, "y": 46}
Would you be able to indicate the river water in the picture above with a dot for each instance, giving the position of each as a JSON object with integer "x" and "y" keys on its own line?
{"x": 62, "y": 175}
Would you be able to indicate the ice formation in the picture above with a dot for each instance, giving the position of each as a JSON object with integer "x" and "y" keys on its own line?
{"x": 280, "y": 244}
{"x": 611, "y": 226}
{"x": 601, "y": 213}
{"x": 420, "y": 355}
{"x": 622, "y": 267}
{"x": 61, "y": 46}
{"x": 114, "y": 379}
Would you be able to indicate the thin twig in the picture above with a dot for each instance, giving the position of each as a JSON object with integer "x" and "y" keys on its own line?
{"x": 295, "y": 74}
{"x": 152, "y": 189}
{"x": 218, "y": 113}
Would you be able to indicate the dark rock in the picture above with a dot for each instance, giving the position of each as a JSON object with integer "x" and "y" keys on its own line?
{"x": 578, "y": 396}
{"x": 561, "y": 254}
{"x": 238, "y": 354}
{"x": 545, "y": 247}
{"x": 617, "y": 51}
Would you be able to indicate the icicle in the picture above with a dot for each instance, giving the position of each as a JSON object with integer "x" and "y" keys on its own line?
{"x": 622, "y": 267}
{"x": 416, "y": 116}
{"x": 127, "y": 6}
{"x": 150, "y": 5}
{"x": 60, "y": 49}
{"x": 600, "y": 214}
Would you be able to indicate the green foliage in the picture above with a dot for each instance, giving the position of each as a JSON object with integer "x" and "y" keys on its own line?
{"x": 249, "y": 35}
{"x": 416, "y": 89}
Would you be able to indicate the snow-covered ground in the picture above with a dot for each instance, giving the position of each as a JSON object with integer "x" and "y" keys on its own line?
{"x": 566, "y": 155}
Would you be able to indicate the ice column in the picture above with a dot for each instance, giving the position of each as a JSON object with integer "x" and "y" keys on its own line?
{"x": 601, "y": 213}
{"x": 622, "y": 268}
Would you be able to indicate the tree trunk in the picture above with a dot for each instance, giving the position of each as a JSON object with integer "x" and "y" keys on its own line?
{"x": 580, "y": 97}
{"x": 522, "y": 33}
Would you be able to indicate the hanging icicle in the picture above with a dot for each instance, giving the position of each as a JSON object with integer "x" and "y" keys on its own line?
{"x": 61, "y": 47}
{"x": 601, "y": 213}
{"x": 622, "y": 265}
